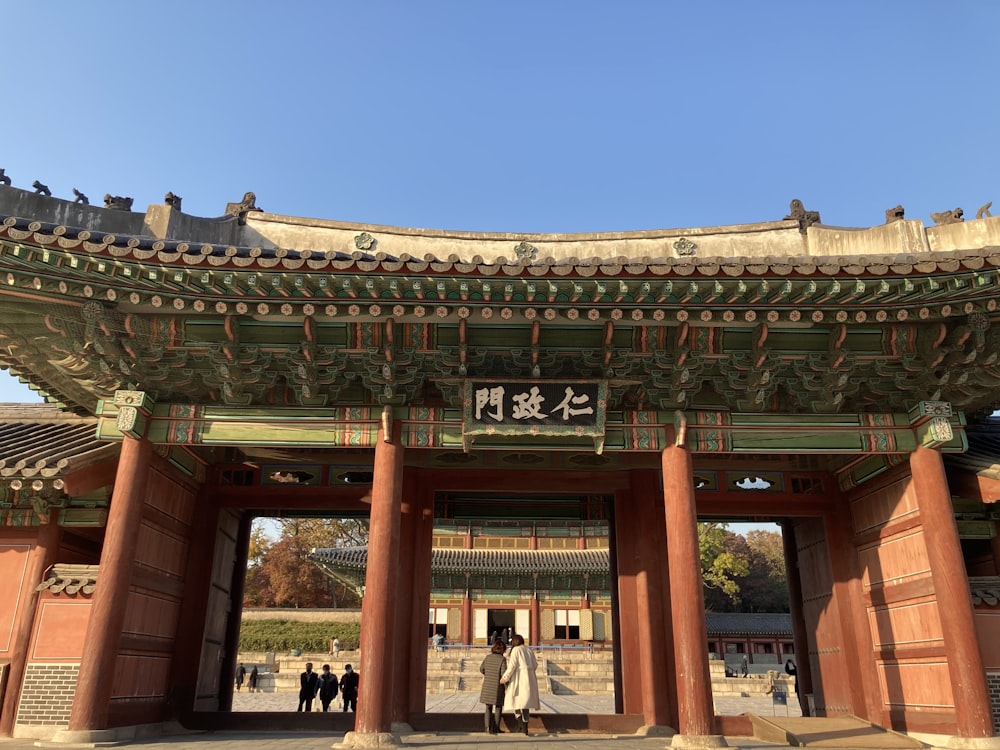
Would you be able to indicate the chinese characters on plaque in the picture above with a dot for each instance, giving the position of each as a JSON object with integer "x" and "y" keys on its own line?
{"x": 535, "y": 408}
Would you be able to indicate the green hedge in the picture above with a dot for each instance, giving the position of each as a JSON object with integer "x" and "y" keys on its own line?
{"x": 284, "y": 635}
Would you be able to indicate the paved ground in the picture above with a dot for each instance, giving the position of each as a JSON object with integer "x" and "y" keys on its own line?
{"x": 300, "y": 741}
{"x": 468, "y": 702}
{"x": 450, "y": 703}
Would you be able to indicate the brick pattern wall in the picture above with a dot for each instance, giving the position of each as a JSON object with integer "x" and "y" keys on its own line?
{"x": 47, "y": 694}
{"x": 993, "y": 683}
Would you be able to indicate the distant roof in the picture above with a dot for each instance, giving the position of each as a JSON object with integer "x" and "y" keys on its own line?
{"x": 486, "y": 560}
{"x": 748, "y": 623}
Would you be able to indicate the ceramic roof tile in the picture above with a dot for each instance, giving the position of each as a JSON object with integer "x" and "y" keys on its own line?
{"x": 486, "y": 560}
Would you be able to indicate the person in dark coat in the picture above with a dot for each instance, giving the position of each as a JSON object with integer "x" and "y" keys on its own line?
{"x": 241, "y": 673}
{"x": 492, "y": 692}
{"x": 327, "y": 687}
{"x": 349, "y": 688}
{"x": 252, "y": 679}
{"x": 791, "y": 671}
{"x": 308, "y": 685}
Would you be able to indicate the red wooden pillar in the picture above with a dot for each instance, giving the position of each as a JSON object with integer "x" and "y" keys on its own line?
{"x": 696, "y": 714}
{"x": 616, "y": 609}
{"x": 803, "y": 668}
{"x": 40, "y": 558}
{"x": 405, "y": 625}
{"x": 951, "y": 586}
{"x": 628, "y": 683}
{"x": 467, "y": 614}
{"x": 420, "y": 575}
{"x": 650, "y": 595}
{"x": 107, "y": 611}
{"x": 535, "y": 621}
{"x": 378, "y": 613}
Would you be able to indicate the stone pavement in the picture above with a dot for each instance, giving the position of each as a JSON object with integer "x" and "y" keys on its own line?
{"x": 447, "y": 703}
{"x": 468, "y": 702}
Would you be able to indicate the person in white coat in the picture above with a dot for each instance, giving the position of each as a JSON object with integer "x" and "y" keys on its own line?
{"x": 521, "y": 682}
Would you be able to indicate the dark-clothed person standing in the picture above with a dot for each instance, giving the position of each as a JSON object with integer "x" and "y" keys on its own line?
{"x": 252, "y": 680}
{"x": 492, "y": 692}
{"x": 308, "y": 685}
{"x": 327, "y": 687}
{"x": 349, "y": 688}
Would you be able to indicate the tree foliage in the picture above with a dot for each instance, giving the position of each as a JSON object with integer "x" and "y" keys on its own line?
{"x": 757, "y": 584}
{"x": 279, "y": 573}
{"x": 721, "y": 568}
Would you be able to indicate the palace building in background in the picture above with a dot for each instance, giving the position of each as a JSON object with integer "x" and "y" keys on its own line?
{"x": 201, "y": 372}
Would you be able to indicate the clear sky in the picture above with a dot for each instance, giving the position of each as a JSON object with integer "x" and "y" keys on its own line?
{"x": 553, "y": 116}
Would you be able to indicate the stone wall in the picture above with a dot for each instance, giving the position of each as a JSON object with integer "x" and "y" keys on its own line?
{"x": 46, "y": 699}
{"x": 993, "y": 683}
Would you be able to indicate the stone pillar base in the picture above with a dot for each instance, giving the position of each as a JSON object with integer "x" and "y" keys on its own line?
{"x": 369, "y": 739}
{"x": 655, "y": 730}
{"x": 119, "y": 734}
{"x": 698, "y": 740}
{"x": 973, "y": 743}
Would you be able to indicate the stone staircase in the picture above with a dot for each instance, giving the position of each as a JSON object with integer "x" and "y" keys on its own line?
{"x": 570, "y": 673}
{"x": 446, "y": 672}
{"x": 456, "y": 670}
{"x": 279, "y": 673}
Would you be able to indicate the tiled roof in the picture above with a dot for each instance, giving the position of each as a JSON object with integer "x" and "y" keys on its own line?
{"x": 985, "y": 590}
{"x": 39, "y": 440}
{"x": 486, "y": 560}
{"x": 658, "y": 258}
{"x": 748, "y": 623}
{"x": 72, "y": 579}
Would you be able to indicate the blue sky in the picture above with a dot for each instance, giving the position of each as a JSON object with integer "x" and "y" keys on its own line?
{"x": 516, "y": 116}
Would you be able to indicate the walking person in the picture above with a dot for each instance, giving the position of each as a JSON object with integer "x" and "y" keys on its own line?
{"x": 521, "y": 682}
{"x": 327, "y": 687}
{"x": 349, "y": 688}
{"x": 308, "y": 685}
{"x": 493, "y": 666}
{"x": 252, "y": 679}
{"x": 241, "y": 673}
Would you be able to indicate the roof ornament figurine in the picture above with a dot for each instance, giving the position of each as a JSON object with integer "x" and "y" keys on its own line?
{"x": 41, "y": 189}
{"x": 948, "y": 217}
{"x": 80, "y": 198}
{"x": 174, "y": 201}
{"x": 982, "y": 213}
{"x": 364, "y": 241}
{"x": 798, "y": 213}
{"x": 894, "y": 214}
{"x": 241, "y": 209}
{"x": 4, "y": 179}
{"x": 117, "y": 202}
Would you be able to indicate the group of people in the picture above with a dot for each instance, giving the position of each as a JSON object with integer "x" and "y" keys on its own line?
{"x": 251, "y": 680}
{"x": 509, "y": 680}
{"x": 325, "y": 686}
